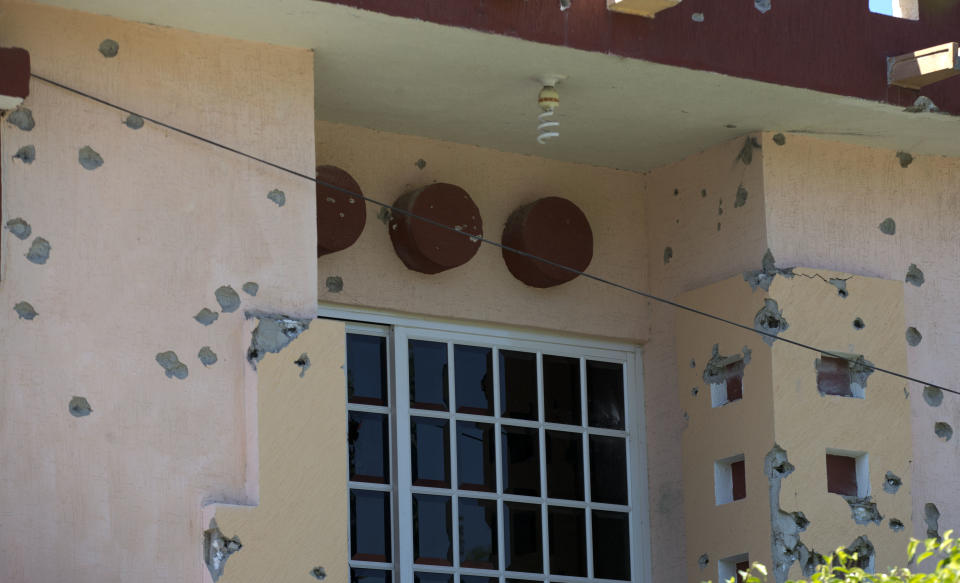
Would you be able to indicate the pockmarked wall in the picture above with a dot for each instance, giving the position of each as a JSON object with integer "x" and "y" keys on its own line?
{"x": 133, "y": 230}
{"x": 891, "y": 215}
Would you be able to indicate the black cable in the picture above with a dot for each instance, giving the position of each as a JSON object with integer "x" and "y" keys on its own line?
{"x": 392, "y": 209}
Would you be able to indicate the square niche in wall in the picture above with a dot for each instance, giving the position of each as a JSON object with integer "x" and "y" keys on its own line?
{"x": 730, "y": 567}
{"x": 848, "y": 473}
{"x": 730, "y": 389}
{"x": 730, "y": 479}
{"x": 834, "y": 377}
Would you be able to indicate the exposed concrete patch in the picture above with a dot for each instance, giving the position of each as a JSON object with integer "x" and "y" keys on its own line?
{"x": 746, "y": 152}
{"x": 863, "y": 510}
{"x": 272, "y": 334}
{"x": 384, "y": 215}
{"x": 762, "y": 5}
{"x": 923, "y": 104}
{"x": 742, "y": 195}
{"x": 770, "y": 320}
{"x": 318, "y": 573}
{"x": 217, "y": 549}
{"x": 891, "y": 483}
{"x": 19, "y": 227}
{"x": 277, "y": 196}
{"x": 89, "y": 158}
{"x": 841, "y": 285}
{"x": 763, "y": 277}
{"x": 172, "y": 365}
{"x": 421, "y": 163}
{"x": 251, "y": 288}
{"x": 703, "y": 560}
{"x": 943, "y": 430}
{"x": 895, "y": 524}
{"x": 206, "y": 316}
{"x": 914, "y": 275}
{"x": 228, "y": 298}
{"x": 933, "y": 396}
{"x": 79, "y": 407}
{"x": 207, "y": 356}
{"x": 931, "y": 515}
{"x": 109, "y": 48}
{"x": 715, "y": 370}
{"x": 861, "y": 546}
{"x": 334, "y": 284}
{"x": 303, "y": 361}
{"x": 905, "y": 158}
{"x": 39, "y": 251}
{"x": 25, "y": 311}
{"x": 667, "y": 255}
{"x": 785, "y": 544}
{"x": 858, "y": 323}
{"x": 779, "y": 139}
{"x": 913, "y": 336}
{"x": 697, "y": 17}
{"x": 888, "y": 226}
{"x": 133, "y": 121}
{"x": 26, "y": 154}
{"x": 22, "y": 118}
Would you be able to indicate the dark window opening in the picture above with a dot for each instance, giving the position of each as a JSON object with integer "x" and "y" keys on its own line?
{"x": 833, "y": 377}
{"x": 841, "y": 475}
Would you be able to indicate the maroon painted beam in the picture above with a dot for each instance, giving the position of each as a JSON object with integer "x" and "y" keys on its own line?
{"x": 835, "y": 46}
{"x": 14, "y": 77}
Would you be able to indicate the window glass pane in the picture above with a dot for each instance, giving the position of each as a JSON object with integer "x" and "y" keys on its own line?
{"x": 478, "y": 533}
{"x": 568, "y": 541}
{"x": 431, "y": 530}
{"x": 432, "y": 578}
{"x": 561, "y": 389}
{"x": 564, "y": 465}
{"x": 476, "y": 456}
{"x": 522, "y": 537}
{"x": 518, "y": 384}
{"x": 369, "y": 576}
{"x": 478, "y": 579}
{"x": 428, "y": 375}
{"x": 608, "y": 469}
{"x": 367, "y": 369}
{"x": 611, "y": 545}
{"x": 368, "y": 446}
{"x": 605, "y": 394}
{"x": 370, "y": 526}
{"x": 474, "y": 379}
{"x": 430, "y": 451}
{"x": 521, "y": 460}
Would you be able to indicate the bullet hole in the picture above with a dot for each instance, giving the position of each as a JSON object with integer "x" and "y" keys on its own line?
{"x": 22, "y": 118}
{"x": 913, "y": 336}
{"x": 779, "y": 139}
{"x": 718, "y": 226}
{"x": 277, "y": 196}
{"x": 730, "y": 126}
{"x": 133, "y": 121}
{"x": 914, "y": 275}
{"x": 858, "y": 323}
{"x": 694, "y": 391}
{"x": 841, "y": 285}
{"x": 421, "y": 163}
{"x": 172, "y": 365}
{"x": 923, "y": 104}
{"x": 89, "y": 158}
{"x": 206, "y": 316}
{"x": 943, "y": 430}
{"x": 384, "y": 215}
{"x": 741, "y": 197}
{"x": 39, "y": 251}
{"x": 905, "y": 159}
{"x": 697, "y": 17}
{"x": 272, "y": 334}
{"x": 26, "y": 154}
{"x": 217, "y": 549}
{"x": 720, "y": 207}
{"x": 931, "y": 515}
{"x": 303, "y": 361}
{"x": 207, "y": 356}
{"x": 25, "y": 311}
{"x": 228, "y": 299}
{"x": 667, "y": 254}
{"x": 763, "y": 277}
{"x": 334, "y": 284}
{"x": 891, "y": 483}
{"x": 933, "y": 396}
{"x": 677, "y": 221}
{"x": 770, "y": 320}
{"x": 676, "y": 192}
{"x": 109, "y": 48}
{"x": 79, "y": 407}
{"x": 746, "y": 152}
{"x": 762, "y": 5}
{"x": 863, "y": 510}
{"x": 703, "y": 193}
{"x": 693, "y": 363}
{"x": 318, "y": 573}
{"x": 19, "y": 228}
{"x": 250, "y": 288}
{"x": 888, "y": 226}
{"x": 895, "y": 524}
{"x": 703, "y": 560}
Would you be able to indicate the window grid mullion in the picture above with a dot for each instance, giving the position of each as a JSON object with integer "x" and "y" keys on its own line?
{"x": 544, "y": 522}
{"x": 498, "y": 467}
{"x": 585, "y": 439}
{"x": 404, "y": 500}
{"x": 454, "y": 478}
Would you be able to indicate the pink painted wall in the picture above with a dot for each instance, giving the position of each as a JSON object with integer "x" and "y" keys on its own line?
{"x": 138, "y": 247}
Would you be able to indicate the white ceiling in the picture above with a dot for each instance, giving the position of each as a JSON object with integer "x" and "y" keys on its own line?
{"x": 413, "y": 77}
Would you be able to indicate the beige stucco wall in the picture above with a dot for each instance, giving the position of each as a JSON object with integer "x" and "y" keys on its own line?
{"x": 138, "y": 247}
{"x": 824, "y": 203}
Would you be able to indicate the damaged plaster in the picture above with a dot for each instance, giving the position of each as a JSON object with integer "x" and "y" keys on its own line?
{"x": 863, "y": 510}
{"x": 741, "y": 197}
{"x": 217, "y": 549}
{"x": 171, "y": 365}
{"x": 133, "y": 121}
{"x": 24, "y": 311}
{"x": 228, "y": 298}
{"x": 943, "y": 430}
{"x": 913, "y": 336}
{"x": 318, "y": 573}
{"x": 923, "y": 104}
{"x": 89, "y": 158}
{"x": 905, "y": 158}
{"x": 862, "y": 548}
{"x": 858, "y": 367}
{"x": 888, "y": 226}
{"x": 931, "y": 515}
{"x": 79, "y": 407}
{"x": 277, "y": 196}
{"x": 39, "y": 251}
{"x": 272, "y": 334}
{"x": 714, "y": 372}
{"x": 891, "y": 483}
{"x": 858, "y": 323}
{"x": 207, "y": 356}
{"x": 26, "y": 154}
{"x": 19, "y": 228}
{"x": 384, "y": 215}
{"x": 334, "y": 284}
{"x": 746, "y": 152}
{"x": 206, "y": 316}
{"x": 933, "y": 396}
{"x": 786, "y": 527}
{"x": 914, "y": 275}
{"x": 841, "y": 285}
{"x": 250, "y": 288}
{"x": 895, "y": 524}
{"x": 697, "y": 17}
{"x": 763, "y": 277}
{"x": 762, "y": 5}
{"x": 703, "y": 560}
{"x": 303, "y": 361}
{"x": 770, "y": 320}
{"x": 779, "y": 139}
{"x": 109, "y": 48}
{"x": 667, "y": 255}
{"x": 421, "y": 163}
{"x": 22, "y": 118}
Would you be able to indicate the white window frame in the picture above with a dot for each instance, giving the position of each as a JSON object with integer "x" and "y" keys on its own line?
{"x": 400, "y": 329}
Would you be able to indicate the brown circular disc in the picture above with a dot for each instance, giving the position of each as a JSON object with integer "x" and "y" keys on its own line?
{"x": 552, "y": 228}
{"x": 428, "y": 248}
{"x": 340, "y": 216}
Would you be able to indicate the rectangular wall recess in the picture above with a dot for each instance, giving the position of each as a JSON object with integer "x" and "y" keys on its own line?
{"x": 730, "y": 568}
{"x": 848, "y": 473}
{"x": 729, "y": 479}
{"x": 731, "y": 388}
